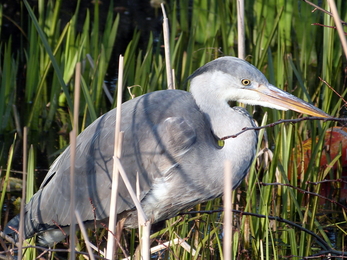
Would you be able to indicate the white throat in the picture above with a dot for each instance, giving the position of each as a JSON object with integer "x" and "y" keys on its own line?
{"x": 211, "y": 97}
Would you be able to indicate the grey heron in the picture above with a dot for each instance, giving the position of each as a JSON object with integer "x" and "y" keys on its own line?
{"x": 171, "y": 140}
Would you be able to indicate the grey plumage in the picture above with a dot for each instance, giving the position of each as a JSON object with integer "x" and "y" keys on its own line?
{"x": 170, "y": 139}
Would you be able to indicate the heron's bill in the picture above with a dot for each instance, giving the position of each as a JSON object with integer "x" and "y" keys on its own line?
{"x": 284, "y": 100}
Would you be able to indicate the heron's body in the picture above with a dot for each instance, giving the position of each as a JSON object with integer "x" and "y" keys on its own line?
{"x": 170, "y": 140}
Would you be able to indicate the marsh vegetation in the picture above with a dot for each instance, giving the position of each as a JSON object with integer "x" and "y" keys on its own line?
{"x": 284, "y": 39}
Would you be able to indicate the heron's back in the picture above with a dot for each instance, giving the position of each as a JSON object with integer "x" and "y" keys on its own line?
{"x": 160, "y": 128}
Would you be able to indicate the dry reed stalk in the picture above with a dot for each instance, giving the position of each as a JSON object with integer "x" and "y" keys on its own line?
{"x": 21, "y": 215}
{"x": 163, "y": 246}
{"x": 130, "y": 190}
{"x": 117, "y": 167}
{"x": 338, "y": 24}
{"x": 143, "y": 221}
{"x": 170, "y": 82}
{"x": 227, "y": 211}
{"x": 77, "y": 96}
{"x": 73, "y": 136}
{"x": 241, "y": 29}
{"x": 115, "y": 175}
{"x": 72, "y": 194}
{"x": 84, "y": 234}
{"x": 144, "y": 228}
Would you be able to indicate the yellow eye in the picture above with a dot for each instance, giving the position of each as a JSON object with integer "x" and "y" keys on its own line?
{"x": 245, "y": 82}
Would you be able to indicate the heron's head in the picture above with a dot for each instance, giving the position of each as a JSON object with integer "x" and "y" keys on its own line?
{"x": 233, "y": 79}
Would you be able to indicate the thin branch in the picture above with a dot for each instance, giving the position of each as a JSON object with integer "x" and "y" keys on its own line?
{"x": 328, "y": 26}
{"x": 10, "y": 239}
{"x": 17, "y": 25}
{"x": 323, "y": 254}
{"x": 319, "y": 240}
{"x": 58, "y": 226}
{"x": 331, "y": 88}
{"x": 281, "y": 121}
{"x": 316, "y": 7}
{"x": 326, "y": 181}
{"x": 304, "y": 192}
{"x": 115, "y": 238}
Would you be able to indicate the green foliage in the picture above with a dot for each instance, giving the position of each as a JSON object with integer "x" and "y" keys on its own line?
{"x": 9, "y": 67}
{"x": 280, "y": 40}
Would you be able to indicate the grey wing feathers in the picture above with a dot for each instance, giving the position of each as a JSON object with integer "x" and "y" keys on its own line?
{"x": 177, "y": 135}
{"x": 146, "y": 141}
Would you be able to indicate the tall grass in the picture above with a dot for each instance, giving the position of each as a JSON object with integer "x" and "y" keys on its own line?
{"x": 280, "y": 40}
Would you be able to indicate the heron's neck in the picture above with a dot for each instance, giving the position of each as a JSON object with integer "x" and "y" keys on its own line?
{"x": 224, "y": 120}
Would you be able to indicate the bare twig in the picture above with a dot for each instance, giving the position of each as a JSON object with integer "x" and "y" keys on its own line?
{"x": 319, "y": 240}
{"x": 9, "y": 239}
{"x": 325, "y": 255}
{"x": 281, "y": 121}
{"x": 42, "y": 254}
{"x": 338, "y": 22}
{"x": 8, "y": 254}
{"x": 304, "y": 192}
{"x": 58, "y": 226}
{"x": 95, "y": 225}
{"x": 316, "y": 7}
{"x": 326, "y": 181}
{"x": 328, "y": 26}
{"x": 115, "y": 238}
{"x": 331, "y": 88}
{"x": 20, "y": 28}
{"x": 321, "y": 9}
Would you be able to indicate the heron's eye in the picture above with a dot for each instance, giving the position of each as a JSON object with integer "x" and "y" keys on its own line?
{"x": 245, "y": 82}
